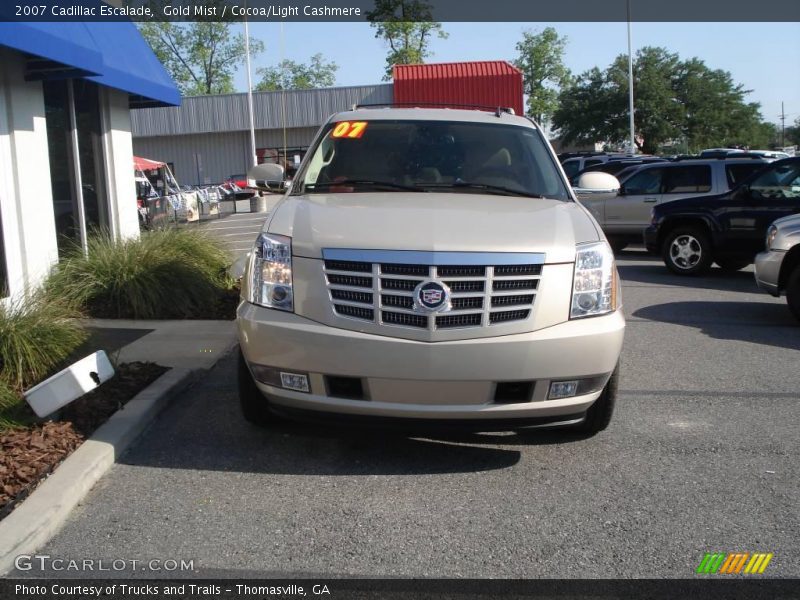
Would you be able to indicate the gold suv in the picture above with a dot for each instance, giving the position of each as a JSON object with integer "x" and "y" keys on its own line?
{"x": 434, "y": 265}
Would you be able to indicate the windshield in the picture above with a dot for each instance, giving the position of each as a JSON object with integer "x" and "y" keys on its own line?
{"x": 425, "y": 156}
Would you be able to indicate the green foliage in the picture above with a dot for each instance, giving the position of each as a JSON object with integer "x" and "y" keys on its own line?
{"x": 36, "y": 335}
{"x": 541, "y": 60}
{"x": 291, "y": 75}
{"x": 792, "y": 134}
{"x": 172, "y": 273}
{"x": 407, "y": 28}
{"x": 202, "y": 56}
{"x": 675, "y": 100}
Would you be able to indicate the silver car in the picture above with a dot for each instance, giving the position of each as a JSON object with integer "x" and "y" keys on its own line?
{"x": 778, "y": 267}
{"x": 431, "y": 265}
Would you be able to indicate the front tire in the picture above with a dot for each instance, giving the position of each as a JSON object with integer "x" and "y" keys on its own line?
{"x": 617, "y": 244}
{"x": 687, "y": 251}
{"x": 793, "y": 292}
{"x": 599, "y": 414}
{"x": 252, "y": 401}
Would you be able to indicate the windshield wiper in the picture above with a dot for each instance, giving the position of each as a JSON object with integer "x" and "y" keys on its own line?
{"x": 488, "y": 188}
{"x": 367, "y": 182}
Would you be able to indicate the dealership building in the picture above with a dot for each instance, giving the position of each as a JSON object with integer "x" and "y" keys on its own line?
{"x": 207, "y": 138}
{"x": 66, "y": 152}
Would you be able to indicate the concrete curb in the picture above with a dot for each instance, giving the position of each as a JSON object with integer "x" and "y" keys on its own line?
{"x": 42, "y": 514}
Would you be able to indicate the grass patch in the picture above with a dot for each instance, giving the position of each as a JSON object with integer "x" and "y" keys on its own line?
{"x": 37, "y": 335}
{"x": 164, "y": 274}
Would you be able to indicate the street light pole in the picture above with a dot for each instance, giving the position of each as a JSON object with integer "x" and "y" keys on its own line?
{"x": 253, "y": 159}
{"x": 630, "y": 82}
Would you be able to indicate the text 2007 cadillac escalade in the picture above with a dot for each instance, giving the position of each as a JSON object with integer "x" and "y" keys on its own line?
{"x": 431, "y": 265}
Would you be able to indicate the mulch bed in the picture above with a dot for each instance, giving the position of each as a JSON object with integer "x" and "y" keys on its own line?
{"x": 29, "y": 455}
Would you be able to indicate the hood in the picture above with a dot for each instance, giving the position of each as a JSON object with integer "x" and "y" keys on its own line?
{"x": 433, "y": 222}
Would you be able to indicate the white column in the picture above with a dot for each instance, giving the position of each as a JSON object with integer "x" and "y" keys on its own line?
{"x": 118, "y": 161}
{"x": 26, "y": 198}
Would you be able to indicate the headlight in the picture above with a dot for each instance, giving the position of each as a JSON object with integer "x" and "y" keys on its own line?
{"x": 594, "y": 290}
{"x": 271, "y": 272}
{"x": 772, "y": 233}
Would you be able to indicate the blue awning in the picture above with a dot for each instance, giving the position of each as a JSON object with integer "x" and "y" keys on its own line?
{"x": 112, "y": 54}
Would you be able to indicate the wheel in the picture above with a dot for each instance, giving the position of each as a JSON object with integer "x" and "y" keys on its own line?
{"x": 253, "y": 402}
{"x": 599, "y": 414}
{"x": 687, "y": 251}
{"x": 793, "y": 292}
{"x": 732, "y": 264}
{"x": 617, "y": 244}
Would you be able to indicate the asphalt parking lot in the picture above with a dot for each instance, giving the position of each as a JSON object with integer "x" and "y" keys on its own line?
{"x": 701, "y": 456}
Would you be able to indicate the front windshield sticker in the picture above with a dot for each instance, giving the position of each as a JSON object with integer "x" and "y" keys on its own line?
{"x": 349, "y": 130}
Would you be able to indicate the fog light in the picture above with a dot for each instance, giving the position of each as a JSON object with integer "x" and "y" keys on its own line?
{"x": 294, "y": 381}
{"x": 562, "y": 389}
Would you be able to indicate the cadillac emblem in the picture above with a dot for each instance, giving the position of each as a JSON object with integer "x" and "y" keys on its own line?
{"x": 431, "y": 296}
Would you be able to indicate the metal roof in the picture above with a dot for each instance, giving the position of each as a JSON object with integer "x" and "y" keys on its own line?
{"x": 271, "y": 110}
{"x": 455, "y": 70}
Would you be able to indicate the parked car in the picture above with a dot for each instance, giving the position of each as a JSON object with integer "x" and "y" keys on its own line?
{"x": 616, "y": 167}
{"x": 625, "y": 215}
{"x": 239, "y": 180}
{"x": 778, "y": 267}
{"x": 573, "y": 166}
{"x": 727, "y": 228}
{"x": 434, "y": 265}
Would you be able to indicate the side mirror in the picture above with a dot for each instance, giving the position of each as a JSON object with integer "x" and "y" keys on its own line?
{"x": 266, "y": 176}
{"x": 597, "y": 185}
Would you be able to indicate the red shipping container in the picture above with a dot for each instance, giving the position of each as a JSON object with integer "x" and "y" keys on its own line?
{"x": 486, "y": 83}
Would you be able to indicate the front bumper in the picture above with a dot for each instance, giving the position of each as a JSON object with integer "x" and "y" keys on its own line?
{"x": 453, "y": 380}
{"x": 768, "y": 270}
{"x": 651, "y": 239}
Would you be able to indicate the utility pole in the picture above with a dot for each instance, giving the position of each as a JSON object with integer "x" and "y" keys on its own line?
{"x": 630, "y": 82}
{"x": 783, "y": 126}
{"x": 253, "y": 159}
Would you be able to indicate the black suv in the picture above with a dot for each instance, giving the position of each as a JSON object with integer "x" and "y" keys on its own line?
{"x": 728, "y": 228}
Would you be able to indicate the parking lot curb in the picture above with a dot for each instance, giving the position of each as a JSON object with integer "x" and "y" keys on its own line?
{"x": 42, "y": 514}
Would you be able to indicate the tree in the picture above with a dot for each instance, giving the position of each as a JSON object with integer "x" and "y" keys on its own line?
{"x": 792, "y": 134}
{"x": 675, "y": 101}
{"x": 407, "y": 28}
{"x": 201, "y": 57}
{"x": 291, "y": 75}
{"x": 541, "y": 60}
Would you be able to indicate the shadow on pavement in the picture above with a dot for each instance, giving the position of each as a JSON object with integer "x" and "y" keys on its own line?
{"x": 765, "y": 323}
{"x": 204, "y": 430}
{"x": 716, "y": 279}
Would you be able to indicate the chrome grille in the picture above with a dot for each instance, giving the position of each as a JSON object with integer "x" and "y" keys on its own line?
{"x": 381, "y": 291}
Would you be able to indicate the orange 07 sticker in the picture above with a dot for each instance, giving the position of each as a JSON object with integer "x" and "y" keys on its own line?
{"x": 349, "y": 129}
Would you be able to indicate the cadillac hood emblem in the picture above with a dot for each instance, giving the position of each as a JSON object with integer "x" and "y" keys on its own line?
{"x": 432, "y": 296}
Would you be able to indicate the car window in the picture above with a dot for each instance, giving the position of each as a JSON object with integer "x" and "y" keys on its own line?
{"x": 735, "y": 173}
{"x": 591, "y": 161}
{"x": 689, "y": 179}
{"x": 571, "y": 167}
{"x": 782, "y": 181}
{"x": 457, "y": 157}
{"x": 647, "y": 181}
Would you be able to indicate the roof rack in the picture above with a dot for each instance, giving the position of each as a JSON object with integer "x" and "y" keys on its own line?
{"x": 497, "y": 110}
{"x": 732, "y": 156}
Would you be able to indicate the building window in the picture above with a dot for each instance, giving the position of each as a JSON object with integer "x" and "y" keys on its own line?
{"x": 62, "y": 175}
{"x": 3, "y": 268}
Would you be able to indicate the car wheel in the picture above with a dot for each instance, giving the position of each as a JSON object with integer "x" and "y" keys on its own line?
{"x": 253, "y": 402}
{"x": 617, "y": 244}
{"x": 599, "y": 414}
{"x": 687, "y": 251}
{"x": 732, "y": 264}
{"x": 793, "y": 292}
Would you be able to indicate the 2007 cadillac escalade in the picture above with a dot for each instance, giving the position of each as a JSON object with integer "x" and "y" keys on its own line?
{"x": 431, "y": 265}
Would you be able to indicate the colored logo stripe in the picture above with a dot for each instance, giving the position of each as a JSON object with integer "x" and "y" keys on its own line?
{"x": 732, "y": 563}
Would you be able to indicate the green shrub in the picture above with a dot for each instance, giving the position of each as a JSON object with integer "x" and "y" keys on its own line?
{"x": 173, "y": 273}
{"x": 36, "y": 335}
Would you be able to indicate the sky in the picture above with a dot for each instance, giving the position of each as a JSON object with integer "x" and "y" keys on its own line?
{"x": 764, "y": 57}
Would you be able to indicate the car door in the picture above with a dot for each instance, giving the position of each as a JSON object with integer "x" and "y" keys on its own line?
{"x": 772, "y": 194}
{"x": 629, "y": 212}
